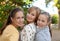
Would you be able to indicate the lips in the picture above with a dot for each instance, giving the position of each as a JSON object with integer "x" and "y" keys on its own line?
{"x": 21, "y": 23}
{"x": 29, "y": 18}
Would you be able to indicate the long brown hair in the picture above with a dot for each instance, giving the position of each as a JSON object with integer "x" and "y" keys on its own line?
{"x": 50, "y": 30}
{"x": 11, "y": 15}
{"x": 38, "y": 11}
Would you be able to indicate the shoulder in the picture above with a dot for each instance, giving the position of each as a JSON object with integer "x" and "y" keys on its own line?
{"x": 29, "y": 26}
{"x": 10, "y": 29}
{"x": 46, "y": 28}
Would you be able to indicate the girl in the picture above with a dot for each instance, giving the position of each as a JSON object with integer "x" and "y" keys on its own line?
{"x": 15, "y": 19}
{"x": 29, "y": 30}
{"x": 43, "y": 33}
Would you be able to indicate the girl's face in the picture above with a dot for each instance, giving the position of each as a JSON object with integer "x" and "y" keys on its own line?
{"x": 31, "y": 16}
{"x": 18, "y": 19}
{"x": 42, "y": 20}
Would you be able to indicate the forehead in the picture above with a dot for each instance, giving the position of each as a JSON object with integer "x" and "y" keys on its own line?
{"x": 43, "y": 16}
{"x": 19, "y": 13}
{"x": 32, "y": 9}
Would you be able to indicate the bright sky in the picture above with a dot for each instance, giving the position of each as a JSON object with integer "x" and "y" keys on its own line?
{"x": 42, "y": 5}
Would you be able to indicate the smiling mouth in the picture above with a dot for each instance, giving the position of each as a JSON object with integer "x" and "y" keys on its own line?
{"x": 21, "y": 23}
{"x": 29, "y": 18}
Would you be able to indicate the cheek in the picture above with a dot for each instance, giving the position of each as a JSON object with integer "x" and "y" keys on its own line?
{"x": 33, "y": 17}
{"x": 38, "y": 23}
{"x": 46, "y": 23}
{"x": 17, "y": 20}
{"x": 22, "y": 20}
{"x": 27, "y": 15}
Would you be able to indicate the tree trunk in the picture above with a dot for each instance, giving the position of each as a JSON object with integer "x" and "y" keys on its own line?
{"x": 59, "y": 18}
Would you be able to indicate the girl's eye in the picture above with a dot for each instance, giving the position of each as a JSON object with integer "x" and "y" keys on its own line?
{"x": 43, "y": 21}
{"x": 18, "y": 17}
{"x": 22, "y": 17}
{"x": 32, "y": 14}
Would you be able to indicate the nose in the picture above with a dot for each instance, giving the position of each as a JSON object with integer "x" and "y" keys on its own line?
{"x": 40, "y": 22}
{"x": 28, "y": 14}
{"x": 22, "y": 19}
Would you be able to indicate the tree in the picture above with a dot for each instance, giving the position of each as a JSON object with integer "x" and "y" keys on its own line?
{"x": 57, "y": 3}
{"x": 7, "y": 5}
{"x": 54, "y": 19}
{"x": 58, "y": 6}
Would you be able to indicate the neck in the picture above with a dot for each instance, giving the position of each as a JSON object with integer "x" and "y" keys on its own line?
{"x": 14, "y": 25}
{"x": 41, "y": 27}
{"x": 29, "y": 22}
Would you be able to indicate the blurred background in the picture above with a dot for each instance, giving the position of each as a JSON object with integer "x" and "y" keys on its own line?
{"x": 50, "y": 6}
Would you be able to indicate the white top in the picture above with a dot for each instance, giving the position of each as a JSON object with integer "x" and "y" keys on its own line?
{"x": 28, "y": 33}
{"x": 43, "y": 34}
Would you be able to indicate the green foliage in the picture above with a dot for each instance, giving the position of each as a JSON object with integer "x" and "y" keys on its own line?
{"x": 7, "y": 6}
{"x": 1, "y": 24}
{"x": 57, "y": 3}
{"x": 54, "y": 19}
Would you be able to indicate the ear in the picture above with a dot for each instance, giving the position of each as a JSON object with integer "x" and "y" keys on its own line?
{"x": 11, "y": 19}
